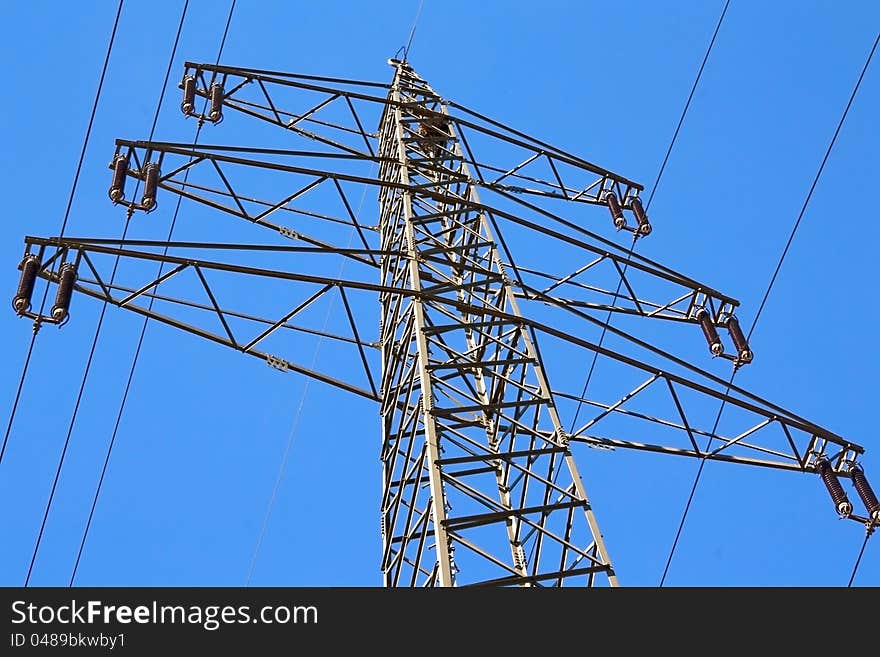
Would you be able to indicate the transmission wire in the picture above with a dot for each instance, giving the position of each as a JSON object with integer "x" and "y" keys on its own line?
{"x": 648, "y": 207}
{"x": 70, "y": 198}
{"x": 607, "y": 323}
{"x": 98, "y": 327}
{"x": 140, "y": 341}
{"x": 859, "y": 559}
{"x": 770, "y": 287}
{"x": 687, "y": 104}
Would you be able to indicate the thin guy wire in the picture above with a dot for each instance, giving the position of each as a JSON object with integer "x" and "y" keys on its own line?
{"x": 412, "y": 32}
{"x": 282, "y": 467}
{"x": 140, "y": 342}
{"x": 770, "y": 287}
{"x": 605, "y": 326}
{"x": 70, "y": 198}
{"x": 295, "y": 426}
{"x": 88, "y": 366}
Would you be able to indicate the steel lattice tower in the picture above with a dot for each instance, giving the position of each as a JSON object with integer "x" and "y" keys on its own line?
{"x": 480, "y": 485}
{"x": 466, "y": 405}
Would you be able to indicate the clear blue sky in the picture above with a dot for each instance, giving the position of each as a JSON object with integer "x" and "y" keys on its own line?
{"x": 203, "y": 435}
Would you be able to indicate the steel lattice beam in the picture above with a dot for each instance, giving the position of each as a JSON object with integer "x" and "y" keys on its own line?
{"x": 802, "y": 440}
{"x": 671, "y": 295}
{"x": 531, "y": 167}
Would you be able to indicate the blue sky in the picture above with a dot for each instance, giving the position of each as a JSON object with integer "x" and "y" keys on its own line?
{"x": 205, "y": 430}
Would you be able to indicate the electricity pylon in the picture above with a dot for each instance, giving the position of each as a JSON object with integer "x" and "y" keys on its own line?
{"x": 480, "y": 484}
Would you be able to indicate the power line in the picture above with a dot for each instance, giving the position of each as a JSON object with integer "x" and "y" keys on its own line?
{"x": 672, "y": 141}
{"x": 225, "y": 32}
{"x": 140, "y": 341}
{"x": 687, "y": 508}
{"x": 70, "y": 426}
{"x": 70, "y": 198}
{"x": 93, "y": 348}
{"x": 687, "y": 104}
{"x": 608, "y": 317}
{"x": 859, "y": 559}
{"x": 782, "y": 256}
{"x": 118, "y": 420}
{"x": 815, "y": 181}
{"x": 24, "y": 369}
{"x": 632, "y": 248}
